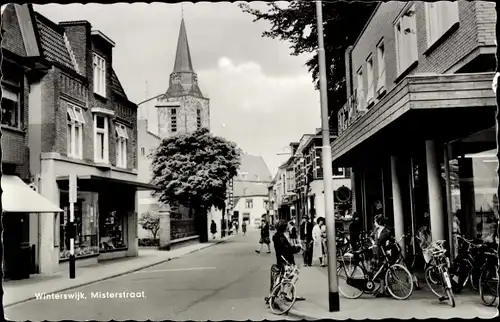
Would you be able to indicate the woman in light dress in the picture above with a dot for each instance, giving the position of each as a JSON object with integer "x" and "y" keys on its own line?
{"x": 318, "y": 241}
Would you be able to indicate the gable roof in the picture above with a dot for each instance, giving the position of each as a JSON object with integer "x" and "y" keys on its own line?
{"x": 255, "y": 167}
{"x": 18, "y": 23}
{"x": 53, "y": 43}
{"x": 249, "y": 189}
{"x": 116, "y": 86}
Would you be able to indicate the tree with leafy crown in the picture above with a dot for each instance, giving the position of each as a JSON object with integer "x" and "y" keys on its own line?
{"x": 194, "y": 169}
{"x": 343, "y": 22}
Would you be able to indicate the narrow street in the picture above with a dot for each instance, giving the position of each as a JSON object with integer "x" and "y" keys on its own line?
{"x": 224, "y": 282}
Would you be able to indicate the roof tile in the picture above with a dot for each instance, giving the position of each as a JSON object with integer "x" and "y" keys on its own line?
{"x": 53, "y": 44}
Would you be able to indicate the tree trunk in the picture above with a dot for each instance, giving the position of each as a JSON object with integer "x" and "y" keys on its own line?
{"x": 202, "y": 219}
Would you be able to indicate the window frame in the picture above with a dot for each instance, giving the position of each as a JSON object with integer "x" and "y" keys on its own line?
{"x": 122, "y": 139}
{"x": 248, "y": 203}
{"x": 74, "y": 125}
{"x": 198, "y": 119}
{"x": 99, "y": 74}
{"x": 434, "y": 13}
{"x": 406, "y": 43}
{"x": 173, "y": 120}
{"x": 370, "y": 97}
{"x": 105, "y": 132}
{"x": 381, "y": 67}
{"x": 16, "y": 93}
{"x": 339, "y": 175}
{"x": 360, "y": 89}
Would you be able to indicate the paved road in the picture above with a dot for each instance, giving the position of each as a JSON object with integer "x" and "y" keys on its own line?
{"x": 224, "y": 282}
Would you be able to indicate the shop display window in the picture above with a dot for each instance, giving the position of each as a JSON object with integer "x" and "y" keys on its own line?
{"x": 85, "y": 212}
{"x": 112, "y": 231}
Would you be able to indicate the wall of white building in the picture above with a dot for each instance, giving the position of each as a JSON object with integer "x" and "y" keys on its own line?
{"x": 255, "y": 212}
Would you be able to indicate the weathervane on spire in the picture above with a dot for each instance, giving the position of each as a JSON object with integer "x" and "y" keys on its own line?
{"x": 182, "y": 10}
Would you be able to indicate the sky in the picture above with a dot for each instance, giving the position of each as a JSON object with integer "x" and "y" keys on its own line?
{"x": 261, "y": 97}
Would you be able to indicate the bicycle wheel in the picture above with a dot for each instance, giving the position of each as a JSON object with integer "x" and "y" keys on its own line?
{"x": 349, "y": 270}
{"x": 488, "y": 282}
{"x": 447, "y": 286}
{"x": 282, "y": 298}
{"x": 399, "y": 282}
{"x": 430, "y": 278}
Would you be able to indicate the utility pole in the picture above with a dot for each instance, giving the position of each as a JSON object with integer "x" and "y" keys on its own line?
{"x": 333, "y": 294}
{"x": 72, "y": 228}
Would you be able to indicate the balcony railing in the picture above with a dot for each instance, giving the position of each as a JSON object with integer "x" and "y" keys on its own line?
{"x": 349, "y": 113}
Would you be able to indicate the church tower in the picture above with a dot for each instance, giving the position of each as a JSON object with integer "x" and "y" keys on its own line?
{"x": 183, "y": 108}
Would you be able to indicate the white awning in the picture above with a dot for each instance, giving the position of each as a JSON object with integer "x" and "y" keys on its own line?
{"x": 17, "y": 196}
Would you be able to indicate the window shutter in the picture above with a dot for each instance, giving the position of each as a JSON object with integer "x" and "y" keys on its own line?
{"x": 8, "y": 94}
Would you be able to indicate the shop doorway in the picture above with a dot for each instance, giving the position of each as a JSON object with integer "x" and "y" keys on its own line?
{"x": 15, "y": 241}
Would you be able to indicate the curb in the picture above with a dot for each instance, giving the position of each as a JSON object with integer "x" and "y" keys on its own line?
{"x": 121, "y": 273}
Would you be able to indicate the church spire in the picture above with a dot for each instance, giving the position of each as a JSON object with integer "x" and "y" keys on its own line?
{"x": 183, "y": 61}
{"x": 183, "y": 79}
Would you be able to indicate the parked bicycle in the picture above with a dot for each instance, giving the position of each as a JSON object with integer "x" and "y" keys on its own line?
{"x": 359, "y": 279}
{"x": 437, "y": 274}
{"x": 283, "y": 296}
{"x": 488, "y": 280}
{"x": 467, "y": 265}
{"x": 406, "y": 261}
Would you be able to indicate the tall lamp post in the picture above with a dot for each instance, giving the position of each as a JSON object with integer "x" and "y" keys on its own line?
{"x": 333, "y": 294}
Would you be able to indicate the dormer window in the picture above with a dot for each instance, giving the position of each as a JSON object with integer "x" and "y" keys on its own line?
{"x": 99, "y": 75}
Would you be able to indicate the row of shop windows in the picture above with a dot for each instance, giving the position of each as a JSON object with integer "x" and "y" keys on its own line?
{"x": 469, "y": 185}
{"x": 97, "y": 230}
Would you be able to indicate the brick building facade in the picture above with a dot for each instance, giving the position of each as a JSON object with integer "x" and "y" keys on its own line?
{"x": 81, "y": 122}
{"x": 420, "y": 114}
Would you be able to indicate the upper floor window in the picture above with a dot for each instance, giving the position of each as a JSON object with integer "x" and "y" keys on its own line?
{"x": 198, "y": 118}
{"x": 249, "y": 203}
{"x": 406, "y": 40}
{"x": 173, "y": 119}
{"x": 101, "y": 139}
{"x": 440, "y": 17}
{"x": 11, "y": 109}
{"x": 338, "y": 172}
{"x": 360, "y": 90}
{"x": 99, "y": 75}
{"x": 74, "y": 135}
{"x": 381, "y": 68}
{"x": 121, "y": 145}
{"x": 371, "y": 85}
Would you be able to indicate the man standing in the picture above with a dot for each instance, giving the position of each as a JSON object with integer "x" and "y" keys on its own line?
{"x": 306, "y": 238}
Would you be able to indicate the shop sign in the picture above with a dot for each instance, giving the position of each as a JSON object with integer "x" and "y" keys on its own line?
{"x": 65, "y": 216}
{"x": 72, "y": 188}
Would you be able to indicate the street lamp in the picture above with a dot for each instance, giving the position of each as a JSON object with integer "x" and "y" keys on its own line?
{"x": 333, "y": 294}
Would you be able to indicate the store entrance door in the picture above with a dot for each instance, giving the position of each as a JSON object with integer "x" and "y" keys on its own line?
{"x": 15, "y": 237}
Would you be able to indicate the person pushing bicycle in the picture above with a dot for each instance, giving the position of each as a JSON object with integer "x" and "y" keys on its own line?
{"x": 282, "y": 247}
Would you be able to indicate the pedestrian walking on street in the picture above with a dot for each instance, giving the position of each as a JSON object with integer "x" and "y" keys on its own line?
{"x": 264, "y": 237}
{"x": 235, "y": 225}
{"x": 317, "y": 243}
{"x": 244, "y": 227}
{"x": 292, "y": 233}
{"x": 213, "y": 228}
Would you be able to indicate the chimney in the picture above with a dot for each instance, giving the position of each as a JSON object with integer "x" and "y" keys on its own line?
{"x": 348, "y": 71}
{"x": 294, "y": 146}
{"x": 78, "y": 34}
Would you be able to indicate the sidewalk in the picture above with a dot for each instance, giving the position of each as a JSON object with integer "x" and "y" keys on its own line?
{"x": 19, "y": 291}
{"x": 313, "y": 285}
